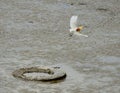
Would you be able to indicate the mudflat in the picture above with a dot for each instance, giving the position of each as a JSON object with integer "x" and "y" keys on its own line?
{"x": 36, "y": 32}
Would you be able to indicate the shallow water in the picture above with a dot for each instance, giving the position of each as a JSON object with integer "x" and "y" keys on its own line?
{"x": 35, "y": 32}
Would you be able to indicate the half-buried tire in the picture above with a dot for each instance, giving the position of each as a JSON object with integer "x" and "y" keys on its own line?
{"x": 53, "y": 73}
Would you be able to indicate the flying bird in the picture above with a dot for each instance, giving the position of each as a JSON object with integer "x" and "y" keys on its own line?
{"x": 74, "y": 29}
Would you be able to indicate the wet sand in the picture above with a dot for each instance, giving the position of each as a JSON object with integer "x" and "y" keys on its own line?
{"x": 35, "y": 32}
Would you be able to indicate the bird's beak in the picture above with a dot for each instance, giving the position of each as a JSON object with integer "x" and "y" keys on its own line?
{"x": 81, "y": 27}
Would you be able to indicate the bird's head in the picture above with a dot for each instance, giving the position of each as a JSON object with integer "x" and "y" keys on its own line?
{"x": 79, "y": 28}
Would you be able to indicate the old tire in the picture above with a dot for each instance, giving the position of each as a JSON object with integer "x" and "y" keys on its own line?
{"x": 54, "y": 73}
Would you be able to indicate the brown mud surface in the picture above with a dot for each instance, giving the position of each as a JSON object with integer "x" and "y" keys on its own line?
{"x": 35, "y": 32}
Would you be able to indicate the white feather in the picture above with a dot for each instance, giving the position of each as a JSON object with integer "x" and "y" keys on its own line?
{"x": 73, "y": 22}
{"x": 76, "y": 33}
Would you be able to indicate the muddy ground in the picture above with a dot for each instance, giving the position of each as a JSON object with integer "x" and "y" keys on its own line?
{"x": 36, "y": 32}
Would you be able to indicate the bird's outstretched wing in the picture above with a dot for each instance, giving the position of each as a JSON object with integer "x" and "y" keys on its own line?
{"x": 73, "y": 22}
{"x": 80, "y": 34}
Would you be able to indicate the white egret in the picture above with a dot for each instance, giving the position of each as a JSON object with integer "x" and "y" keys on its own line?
{"x": 74, "y": 29}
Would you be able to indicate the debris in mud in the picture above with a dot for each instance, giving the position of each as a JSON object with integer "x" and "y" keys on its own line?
{"x": 82, "y": 3}
{"x": 102, "y": 9}
{"x": 54, "y": 73}
{"x": 30, "y": 21}
{"x": 72, "y": 4}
